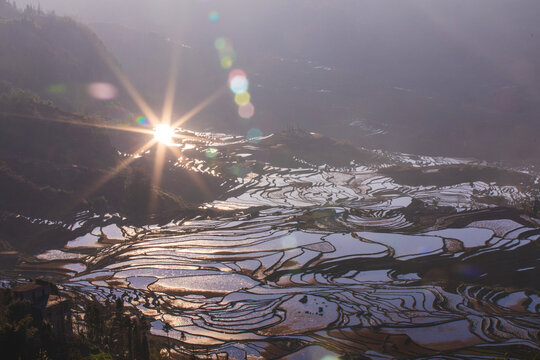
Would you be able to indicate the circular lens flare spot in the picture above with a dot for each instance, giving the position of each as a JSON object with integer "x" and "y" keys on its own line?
{"x": 239, "y": 84}
{"x": 226, "y": 62}
{"x": 237, "y": 73}
{"x": 213, "y": 16}
{"x": 242, "y": 99}
{"x": 211, "y": 153}
{"x": 57, "y": 89}
{"x": 246, "y": 111}
{"x": 102, "y": 91}
{"x": 254, "y": 136}
{"x": 238, "y": 171}
{"x": 220, "y": 43}
{"x": 164, "y": 134}
{"x": 141, "y": 120}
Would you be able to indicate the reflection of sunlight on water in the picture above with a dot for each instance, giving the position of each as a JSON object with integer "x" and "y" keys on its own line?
{"x": 314, "y": 352}
{"x": 188, "y": 147}
{"x": 75, "y": 267}
{"x": 112, "y": 232}
{"x": 289, "y": 241}
{"x": 88, "y": 240}
{"x": 58, "y": 255}
{"x": 223, "y": 276}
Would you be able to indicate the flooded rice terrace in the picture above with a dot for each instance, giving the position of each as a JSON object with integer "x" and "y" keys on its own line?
{"x": 321, "y": 262}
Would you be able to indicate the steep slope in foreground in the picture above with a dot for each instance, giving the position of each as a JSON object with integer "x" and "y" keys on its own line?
{"x": 60, "y": 60}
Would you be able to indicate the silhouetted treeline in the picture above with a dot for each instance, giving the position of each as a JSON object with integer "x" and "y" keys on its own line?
{"x": 108, "y": 332}
{"x": 120, "y": 333}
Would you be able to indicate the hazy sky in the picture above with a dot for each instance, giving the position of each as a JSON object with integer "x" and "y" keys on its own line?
{"x": 495, "y": 30}
{"x": 460, "y": 52}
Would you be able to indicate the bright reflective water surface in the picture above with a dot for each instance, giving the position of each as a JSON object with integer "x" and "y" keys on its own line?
{"x": 318, "y": 262}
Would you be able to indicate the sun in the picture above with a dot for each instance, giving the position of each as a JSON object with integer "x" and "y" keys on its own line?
{"x": 164, "y": 134}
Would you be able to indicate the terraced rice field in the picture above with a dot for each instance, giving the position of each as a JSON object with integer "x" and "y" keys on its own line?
{"x": 319, "y": 261}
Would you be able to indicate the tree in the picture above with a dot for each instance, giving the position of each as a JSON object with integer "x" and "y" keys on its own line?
{"x": 167, "y": 328}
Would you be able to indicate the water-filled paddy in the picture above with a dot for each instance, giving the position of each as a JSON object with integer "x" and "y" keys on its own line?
{"x": 324, "y": 261}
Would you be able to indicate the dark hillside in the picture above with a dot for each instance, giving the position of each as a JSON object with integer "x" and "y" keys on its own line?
{"x": 51, "y": 162}
{"x": 55, "y": 57}
{"x": 28, "y": 133}
{"x": 283, "y": 148}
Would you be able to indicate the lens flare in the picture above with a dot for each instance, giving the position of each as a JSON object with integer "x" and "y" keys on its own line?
{"x": 246, "y": 111}
{"x": 239, "y": 84}
{"x": 141, "y": 120}
{"x": 226, "y": 62}
{"x": 220, "y": 43}
{"x": 227, "y": 55}
{"x": 164, "y": 134}
{"x": 213, "y": 16}
{"x": 238, "y": 81}
{"x": 237, "y": 73}
{"x": 242, "y": 99}
{"x": 254, "y": 136}
{"x": 238, "y": 170}
{"x": 57, "y": 89}
{"x": 102, "y": 91}
{"x": 211, "y": 153}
